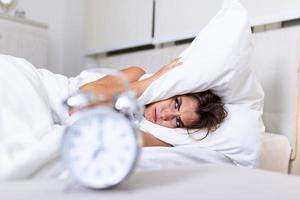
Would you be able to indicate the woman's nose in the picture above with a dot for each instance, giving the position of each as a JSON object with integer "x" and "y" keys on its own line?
{"x": 168, "y": 114}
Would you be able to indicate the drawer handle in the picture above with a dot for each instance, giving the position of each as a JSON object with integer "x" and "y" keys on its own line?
{"x": 1, "y": 36}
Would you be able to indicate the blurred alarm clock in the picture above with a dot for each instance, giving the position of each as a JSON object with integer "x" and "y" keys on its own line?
{"x": 101, "y": 144}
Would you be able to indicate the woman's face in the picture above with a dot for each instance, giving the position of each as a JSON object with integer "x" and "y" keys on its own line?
{"x": 176, "y": 112}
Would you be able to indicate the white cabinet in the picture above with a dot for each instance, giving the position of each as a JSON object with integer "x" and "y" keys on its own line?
{"x": 270, "y": 11}
{"x": 25, "y": 39}
{"x": 118, "y": 24}
{"x": 8, "y": 44}
{"x": 181, "y": 19}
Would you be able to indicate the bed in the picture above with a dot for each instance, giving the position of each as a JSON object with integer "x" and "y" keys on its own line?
{"x": 275, "y": 61}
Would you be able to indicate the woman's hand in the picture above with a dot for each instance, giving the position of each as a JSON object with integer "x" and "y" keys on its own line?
{"x": 176, "y": 62}
{"x": 140, "y": 86}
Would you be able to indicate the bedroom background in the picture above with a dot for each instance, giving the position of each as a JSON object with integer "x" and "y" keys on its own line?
{"x": 62, "y": 27}
{"x": 67, "y": 36}
{"x": 112, "y": 33}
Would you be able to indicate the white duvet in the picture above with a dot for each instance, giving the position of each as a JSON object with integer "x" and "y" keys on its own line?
{"x": 31, "y": 124}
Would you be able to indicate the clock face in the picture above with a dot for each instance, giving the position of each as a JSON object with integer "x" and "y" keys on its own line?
{"x": 100, "y": 147}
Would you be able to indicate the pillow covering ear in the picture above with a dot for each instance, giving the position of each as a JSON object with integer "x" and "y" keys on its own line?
{"x": 217, "y": 60}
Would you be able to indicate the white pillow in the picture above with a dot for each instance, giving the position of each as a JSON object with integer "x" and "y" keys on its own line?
{"x": 238, "y": 138}
{"x": 217, "y": 60}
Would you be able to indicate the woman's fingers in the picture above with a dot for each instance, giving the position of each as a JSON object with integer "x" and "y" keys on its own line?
{"x": 176, "y": 60}
{"x": 168, "y": 67}
{"x": 175, "y": 63}
{"x": 178, "y": 64}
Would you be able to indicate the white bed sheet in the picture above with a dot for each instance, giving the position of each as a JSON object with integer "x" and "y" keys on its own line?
{"x": 150, "y": 158}
{"x": 160, "y": 157}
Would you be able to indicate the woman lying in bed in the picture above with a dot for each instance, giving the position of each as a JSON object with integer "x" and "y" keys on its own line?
{"x": 191, "y": 111}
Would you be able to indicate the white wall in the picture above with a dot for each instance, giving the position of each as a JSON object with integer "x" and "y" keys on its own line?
{"x": 74, "y": 37}
{"x": 65, "y": 21}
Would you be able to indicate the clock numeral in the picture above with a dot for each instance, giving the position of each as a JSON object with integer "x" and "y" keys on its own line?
{"x": 99, "y": 172}
{"x": 112, "y": 170}
{"x": 74, "y": 159}
{"x": 126, "y": 147}
{"x": 123, "y": 135}
{"x": 121, "y": 160}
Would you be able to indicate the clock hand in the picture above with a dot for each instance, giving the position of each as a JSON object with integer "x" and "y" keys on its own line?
{"x": 100, "y": 133}
{"x": 97, "y": 151}
{"x": 100, "y": 144}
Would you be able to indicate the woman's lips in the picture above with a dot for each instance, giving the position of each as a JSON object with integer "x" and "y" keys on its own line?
{"x": 154, "y": 115}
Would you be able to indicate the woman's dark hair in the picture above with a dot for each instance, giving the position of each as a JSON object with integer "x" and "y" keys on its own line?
{"x": 211, "y": 111}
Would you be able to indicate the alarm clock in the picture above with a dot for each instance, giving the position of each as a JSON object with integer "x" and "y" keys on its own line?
{"x": 101, "y": 144}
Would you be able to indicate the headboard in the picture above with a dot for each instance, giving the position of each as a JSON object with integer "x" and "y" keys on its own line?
{"x": 276, "y": 60}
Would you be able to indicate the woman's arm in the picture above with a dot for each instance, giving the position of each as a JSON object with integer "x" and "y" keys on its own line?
{"x": 150, "y": 141}
{"x": 133, "y": 74}
{"x": 110, "y": 85}
{"x": 110, "y": 89}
